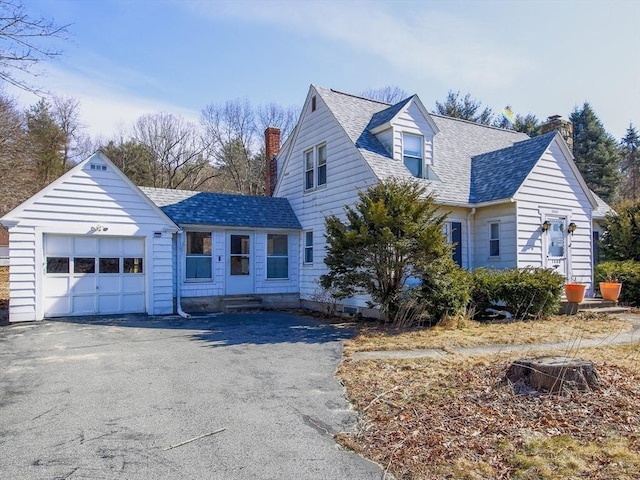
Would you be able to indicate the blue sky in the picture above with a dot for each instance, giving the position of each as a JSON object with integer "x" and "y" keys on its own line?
{"x": 128, "y": 58}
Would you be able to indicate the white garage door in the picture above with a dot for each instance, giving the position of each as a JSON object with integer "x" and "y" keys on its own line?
{"x": 89, "y": 275}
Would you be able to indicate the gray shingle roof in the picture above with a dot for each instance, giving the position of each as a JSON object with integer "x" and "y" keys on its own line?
{"x": 498, "y": 174}
{"x": 186, "y": 207}
{"x": 457, "y": 142}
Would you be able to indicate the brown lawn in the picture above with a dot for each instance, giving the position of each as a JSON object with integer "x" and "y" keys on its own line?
{"x": 4, "y": 292}
{"x": 451, "y": 417}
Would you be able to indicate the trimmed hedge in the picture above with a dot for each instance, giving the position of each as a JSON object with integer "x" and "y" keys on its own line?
{"x": 528, "y": 293}
{"x": 625, "y": 271}
{"x": 445, "y": 290}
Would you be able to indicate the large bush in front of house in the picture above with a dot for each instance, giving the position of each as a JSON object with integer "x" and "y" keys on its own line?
{"x": 527, "y": 293}
{"x": 445, "y": 290}
{"x": 390, "y": 235}
{"x": 627, "y": 272}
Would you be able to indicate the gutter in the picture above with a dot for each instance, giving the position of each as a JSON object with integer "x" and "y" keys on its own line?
{"x": 180, "y": 249}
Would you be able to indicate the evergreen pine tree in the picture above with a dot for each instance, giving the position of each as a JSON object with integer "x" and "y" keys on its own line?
{"x": 630, "y": 149}
{"x": 596, "y": 153}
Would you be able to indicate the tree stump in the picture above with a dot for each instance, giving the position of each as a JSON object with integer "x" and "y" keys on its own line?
{"x": 552, "y": 375}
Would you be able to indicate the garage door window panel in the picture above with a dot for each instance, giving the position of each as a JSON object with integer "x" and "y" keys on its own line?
{"x": 57, "y": 265}
{"x": 133, "y": 265}
{"x": 84, "y": 265}
{"x": 109, "y": 265}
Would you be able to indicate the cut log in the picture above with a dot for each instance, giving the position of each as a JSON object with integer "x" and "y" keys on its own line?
{"x": 552, "y": 375}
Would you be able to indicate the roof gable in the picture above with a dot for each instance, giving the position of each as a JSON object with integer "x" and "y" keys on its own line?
{"x": 499, "y": 174}
{"x": 221, "y": 209}
{"x": 92, "y": 167}
{"x": 385, "y": 119}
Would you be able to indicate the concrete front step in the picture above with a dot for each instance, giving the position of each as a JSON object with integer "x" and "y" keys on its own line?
{"x": 241, "y": 303}
{"x": 595, "y": 305}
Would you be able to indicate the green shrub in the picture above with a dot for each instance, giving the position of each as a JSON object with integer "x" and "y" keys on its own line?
{"x": 445, "y": 290}
{"x": 525, "y": 293}
{"x": 627, "y": 272}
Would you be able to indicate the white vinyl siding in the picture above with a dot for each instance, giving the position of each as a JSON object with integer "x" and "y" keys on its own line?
{"x": 505, "y": 216}
{"x": 346, "y": 173}
{"x": 412, "y": 121}
{"x": 552, "y": 188}
{"x": 77, "y": 204}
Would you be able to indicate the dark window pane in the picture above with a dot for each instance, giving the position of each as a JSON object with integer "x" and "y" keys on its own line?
{"x": 133, "y": 265}
{"x": 494, "y": 247}
{"x": 57, "y": 264}
{"x": 239, "y": 244}
{"x": 322, "y": 175}
{"x": 414, "y": 165}
{"x": 84, "y": 265}
{"x": 309, "y": 180}
{"x": 109, "y": 265}
{"x": 199, "y": 267}
{"x": 199, "y": 243}
{"x": 277, "y": 245}
{"x": 277, "y": 267}
{"x": 239, "y": 265}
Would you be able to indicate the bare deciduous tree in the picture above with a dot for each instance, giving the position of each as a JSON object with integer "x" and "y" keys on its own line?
{"x": 66, "y": 113}
{"x": 178, "y": 155}
{"x": 388, "y": 94}
{"x": 23, "y": 42}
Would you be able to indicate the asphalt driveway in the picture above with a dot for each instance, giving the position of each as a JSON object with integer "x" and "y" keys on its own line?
{"x": 114, "y": 397}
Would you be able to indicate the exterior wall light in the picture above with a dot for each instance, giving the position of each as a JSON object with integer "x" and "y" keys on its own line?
{"x": 572, "y": 228}
{"x": 546, "y": 226}
{"x": 99, "y": 228}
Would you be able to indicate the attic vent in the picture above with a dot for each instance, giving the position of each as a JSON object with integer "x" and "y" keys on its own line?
{"x": 313, "y": 103}
{"x": 95, "y": 166}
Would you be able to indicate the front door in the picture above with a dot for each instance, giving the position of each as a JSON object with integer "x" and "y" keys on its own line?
{"x": 556, "y": 245}
{"x": 239, "y": 263}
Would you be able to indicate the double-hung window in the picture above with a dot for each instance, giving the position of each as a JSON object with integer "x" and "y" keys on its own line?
{"x": 198, "y": 255}
{"x": 277, "y": 256}
{"x": 412, "y": 153}
{"x": 308, "y": 247}
{"x": 315, "y": 167}
{"x": 494, "y": 239}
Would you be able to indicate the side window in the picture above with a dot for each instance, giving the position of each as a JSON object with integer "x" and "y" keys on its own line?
{"x": 494, "y": 239}
{"x": 455, "y": 238}
{"x": 308, "y": 247}
{"x": 412, "y": 153}
{"x": 198, "y": 255}
{"x": 315, "y": 167}
{"x": 277, "y": 256}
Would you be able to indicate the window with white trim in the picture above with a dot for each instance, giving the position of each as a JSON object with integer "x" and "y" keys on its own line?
{"x": 494, "y": 239}
{"x": 308, "y": 246}
{"x": 413, "y": 153}
{"x": 198, "y": 254}
{"x": 315, "y": 167}
{"x": 277, "y": 256}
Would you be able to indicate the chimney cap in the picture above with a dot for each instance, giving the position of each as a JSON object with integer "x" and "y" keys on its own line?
{"x": 553, "y": 118}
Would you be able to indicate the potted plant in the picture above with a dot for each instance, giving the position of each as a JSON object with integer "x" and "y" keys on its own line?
{"x": 610, "y": 288}
{"x": 574, "y": 292}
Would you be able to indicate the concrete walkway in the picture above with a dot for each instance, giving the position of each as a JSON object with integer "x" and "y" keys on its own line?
{"x": 618, "y": 338}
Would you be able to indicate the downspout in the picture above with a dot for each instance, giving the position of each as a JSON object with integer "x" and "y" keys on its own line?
{"x": 180, "y": 250}
{"x": 470, "y": 239}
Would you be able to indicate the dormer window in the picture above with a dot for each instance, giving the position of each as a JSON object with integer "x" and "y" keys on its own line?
{"x": 412, "y": 153}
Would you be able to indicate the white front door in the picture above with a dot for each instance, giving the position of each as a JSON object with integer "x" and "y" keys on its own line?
{"x": 239, "y": 263}
{"x": 556, "y": 245}
{"x": 90, "y": 275}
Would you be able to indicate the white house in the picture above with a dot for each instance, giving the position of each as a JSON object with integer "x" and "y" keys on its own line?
{"x": 94, "y": 243}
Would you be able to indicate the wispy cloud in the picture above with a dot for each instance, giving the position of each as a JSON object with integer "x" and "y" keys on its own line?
{"x": 108, "y": 96}
{"x": 413, "y": 37}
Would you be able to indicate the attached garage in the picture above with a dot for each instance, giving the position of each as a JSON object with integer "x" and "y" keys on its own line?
{"x": 88, "y": 275}
{"x": 90, "y": 243}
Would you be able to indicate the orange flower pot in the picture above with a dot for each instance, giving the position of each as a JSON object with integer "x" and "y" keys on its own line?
{"x": 574, "y": 292}
{"x": 610, "y": 290}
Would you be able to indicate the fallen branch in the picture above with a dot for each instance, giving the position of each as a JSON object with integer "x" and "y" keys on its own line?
{"x": 194, "y": 439}
{"x": 379, "y": 397}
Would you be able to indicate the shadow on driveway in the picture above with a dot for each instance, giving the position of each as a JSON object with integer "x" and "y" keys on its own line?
{"x": 219, "y": 330}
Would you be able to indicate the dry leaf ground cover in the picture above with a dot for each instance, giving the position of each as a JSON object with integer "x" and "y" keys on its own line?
{"x": 466, "y": 333}
{"x": 451, "y": 418}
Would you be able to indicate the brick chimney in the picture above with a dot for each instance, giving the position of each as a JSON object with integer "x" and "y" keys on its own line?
{"x": 271, "y": 149}
{"x": 565, "y": 127}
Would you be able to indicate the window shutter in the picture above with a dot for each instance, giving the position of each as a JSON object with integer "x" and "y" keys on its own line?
{"x": 456, "y": 239}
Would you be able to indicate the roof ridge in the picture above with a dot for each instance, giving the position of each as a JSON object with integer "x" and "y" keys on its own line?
{"x": 471, "y": 122}
{"x": 361, "y": 97}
